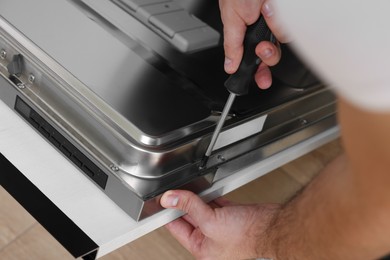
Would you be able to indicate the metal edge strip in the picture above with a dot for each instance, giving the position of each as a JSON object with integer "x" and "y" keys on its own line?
{"x": 70, "y": 85}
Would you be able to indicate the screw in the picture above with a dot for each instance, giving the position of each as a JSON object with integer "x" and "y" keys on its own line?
{"x": 3, "y": 54}
{"x": 21, "y": 85}
{"x": 221, "y": 158}
{"x": 303, "y": 121}
{"x": 31, "y": 78}
{"x": 114, "y": 167}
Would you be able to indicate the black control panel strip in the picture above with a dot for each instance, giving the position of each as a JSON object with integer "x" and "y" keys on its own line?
{"x": 61, "y": 143}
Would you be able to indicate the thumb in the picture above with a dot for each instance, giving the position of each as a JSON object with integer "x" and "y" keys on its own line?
{"x": 188, "y": 202}
{"x": 273, "y": 21}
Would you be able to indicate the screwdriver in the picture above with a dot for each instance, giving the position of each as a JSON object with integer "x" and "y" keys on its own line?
{"x": 238, "y": 83}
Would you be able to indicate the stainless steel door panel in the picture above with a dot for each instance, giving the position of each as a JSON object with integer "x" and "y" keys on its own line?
{"x": 143, "y": 114}
{"x": 127, "y": 83}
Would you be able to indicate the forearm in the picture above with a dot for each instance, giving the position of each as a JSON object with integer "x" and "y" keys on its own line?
{"x": 313, "y": 225}
{"x": 342, "y": 214}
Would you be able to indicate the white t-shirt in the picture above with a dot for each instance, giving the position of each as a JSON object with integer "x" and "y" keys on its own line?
{"x": 345, "y": 41}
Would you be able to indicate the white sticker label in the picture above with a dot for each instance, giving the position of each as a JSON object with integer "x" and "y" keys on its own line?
{"x": 240, "y": 132}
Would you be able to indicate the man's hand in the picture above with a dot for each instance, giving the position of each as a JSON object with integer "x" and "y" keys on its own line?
{"x": 220, "y": 230}
{"x": 236, "y": 16}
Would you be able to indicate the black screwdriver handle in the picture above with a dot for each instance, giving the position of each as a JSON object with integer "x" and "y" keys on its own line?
{"x": 238, "y": 83}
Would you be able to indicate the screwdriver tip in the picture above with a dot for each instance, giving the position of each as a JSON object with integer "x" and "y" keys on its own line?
{"x": 203, "y": 162}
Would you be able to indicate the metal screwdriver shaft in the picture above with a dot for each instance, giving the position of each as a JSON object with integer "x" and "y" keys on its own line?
{"x": 218, "y": 128}
{"x": 239, "y": 82}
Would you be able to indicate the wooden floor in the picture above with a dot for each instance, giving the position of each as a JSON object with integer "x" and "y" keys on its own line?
{"x": 21, "y": 237}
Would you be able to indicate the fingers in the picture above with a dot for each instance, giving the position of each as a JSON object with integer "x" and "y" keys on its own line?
{"x": 189, "y": 237}
{"x": 186, "y": 229}
{"x": 190, "y": 230}
{"x": 236, "y": 16}
{"x": 270, "y": 55}
{"x": 199, "y": 212}
{"x": 223, "y": 202}
{"x": 270, "y": 16}
{"x": 263, "y": 76}
{"x": 234, "y": 31}
{"x": 189, "y": 219}
{"x": 268, "y": 52}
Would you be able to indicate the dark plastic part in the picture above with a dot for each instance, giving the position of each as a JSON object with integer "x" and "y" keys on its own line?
{"x": 61, "y": 143}
{"x": 15, "y": 67}
{"x": 239, "y": 82}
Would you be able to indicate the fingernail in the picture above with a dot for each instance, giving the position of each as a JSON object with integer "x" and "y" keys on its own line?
{"x": 267, "y": 10}
{"x": 228, "y": 64}
{"x": 266, "y": 53}
{"x": 171, "y": 201}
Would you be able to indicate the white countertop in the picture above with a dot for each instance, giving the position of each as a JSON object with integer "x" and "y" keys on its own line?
{"x": 89, "y": 208}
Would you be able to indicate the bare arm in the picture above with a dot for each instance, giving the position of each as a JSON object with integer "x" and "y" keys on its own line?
{"x": 344, "y": 213}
